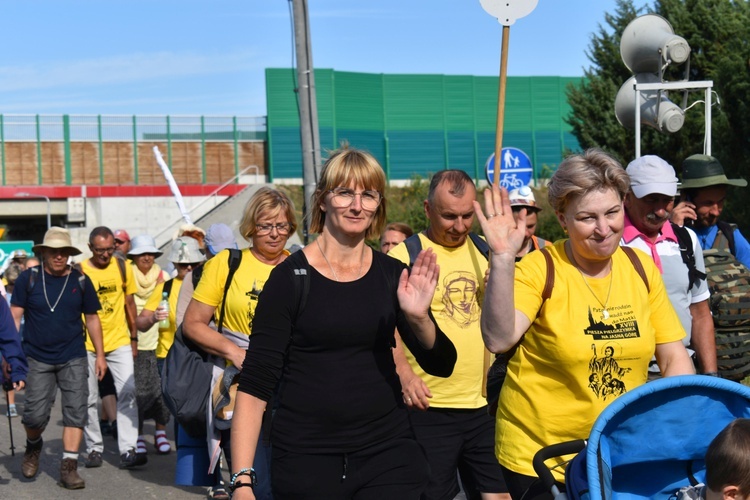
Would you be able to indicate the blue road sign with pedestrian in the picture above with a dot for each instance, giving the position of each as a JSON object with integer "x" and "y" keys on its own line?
{"x": 515, "y": 170}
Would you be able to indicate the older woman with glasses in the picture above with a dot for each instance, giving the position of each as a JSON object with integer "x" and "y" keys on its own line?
{"x": 341, "y": 429}
{"x": 267, "y": 222}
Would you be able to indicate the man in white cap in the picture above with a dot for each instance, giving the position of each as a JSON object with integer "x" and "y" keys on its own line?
{"x": 521, "y": 198}
{"x": 53, "y": 299}
{"x": 675, "y": 251}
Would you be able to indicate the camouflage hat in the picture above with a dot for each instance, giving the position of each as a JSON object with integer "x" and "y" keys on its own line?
{"x": 185, "y": 250}
{"x": 699, "y": 171}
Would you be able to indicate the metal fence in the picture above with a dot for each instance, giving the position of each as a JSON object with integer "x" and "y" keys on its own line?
{"x": 59, "y": 149}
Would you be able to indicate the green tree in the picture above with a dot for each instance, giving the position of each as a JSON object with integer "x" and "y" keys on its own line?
{"x": 718, "y": 32}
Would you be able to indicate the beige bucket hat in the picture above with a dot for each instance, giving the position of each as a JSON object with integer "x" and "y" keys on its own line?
{"x": 57, "y": 237}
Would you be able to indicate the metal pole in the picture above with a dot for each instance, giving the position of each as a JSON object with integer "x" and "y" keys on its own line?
{"x": 308, "y": 107}
{"x": 41, "y": 197}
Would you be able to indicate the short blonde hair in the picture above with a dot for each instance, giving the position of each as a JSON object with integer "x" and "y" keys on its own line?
{"x": 581, "y": 174}
{"x": 344, "y": 167}
{"x": 266, "y": 202}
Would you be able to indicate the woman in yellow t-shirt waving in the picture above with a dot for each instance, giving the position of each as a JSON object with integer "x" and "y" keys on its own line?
{"x": 592, "y": 338}
{"x": 267, "y": 222}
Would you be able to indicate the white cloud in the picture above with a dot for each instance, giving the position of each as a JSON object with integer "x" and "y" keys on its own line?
{"x": 123, "y": 69}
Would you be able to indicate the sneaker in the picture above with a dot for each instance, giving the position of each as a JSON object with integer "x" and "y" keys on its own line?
{"x": 30, "y": 464}
{"x": 132, "y": 459}
{"x": 12, "y": 412}
{"x": 69, "y": 477}
{"x": 93, "y": 460}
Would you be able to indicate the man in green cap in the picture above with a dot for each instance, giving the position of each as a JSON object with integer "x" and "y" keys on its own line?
{"x": 703, "y": 192}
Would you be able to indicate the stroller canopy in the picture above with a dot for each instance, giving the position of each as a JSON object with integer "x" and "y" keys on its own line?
{"x": 651, "y": 441}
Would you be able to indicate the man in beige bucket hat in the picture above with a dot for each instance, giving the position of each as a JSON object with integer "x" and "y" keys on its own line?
{"x": 53, "y": 298}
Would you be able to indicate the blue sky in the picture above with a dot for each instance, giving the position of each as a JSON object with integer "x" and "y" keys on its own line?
{"x": 208, "y": 57}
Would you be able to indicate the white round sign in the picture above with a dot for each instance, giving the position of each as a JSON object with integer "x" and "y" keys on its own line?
{"x": 507, "y": 11}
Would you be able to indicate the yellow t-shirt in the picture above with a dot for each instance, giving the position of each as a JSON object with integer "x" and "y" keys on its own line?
{"x": 456, "y": 307}
{"x": 109, "y": 288}
{"x": 575, "y": 359}
{"x": 166, "y": 337}
{"x": 242, "y": 297}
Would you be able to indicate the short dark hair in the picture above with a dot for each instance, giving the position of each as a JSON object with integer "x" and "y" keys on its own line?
{"x": 458, "y": 180}
{"x": 102, "y": 231}
{"x": 728, "y": 458}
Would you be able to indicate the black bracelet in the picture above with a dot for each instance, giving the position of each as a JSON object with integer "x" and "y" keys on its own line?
{"x": 234, "y": 486}
{"x": 134, "y": 339}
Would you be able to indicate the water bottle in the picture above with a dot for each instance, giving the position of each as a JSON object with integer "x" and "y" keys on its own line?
{"x": 164, "y": 324}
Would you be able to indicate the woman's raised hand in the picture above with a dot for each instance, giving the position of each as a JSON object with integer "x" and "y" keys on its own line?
{"x": 503, "y": 234}
{"x": 416, "y": 289}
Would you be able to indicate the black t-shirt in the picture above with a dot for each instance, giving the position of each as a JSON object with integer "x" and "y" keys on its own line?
{"x": 340, "y": 391}
{"x": 54, "y": 337}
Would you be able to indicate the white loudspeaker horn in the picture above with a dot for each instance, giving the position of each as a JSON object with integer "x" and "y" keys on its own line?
{"x": 649, "y": 42}
{"x": 669, "y": 118}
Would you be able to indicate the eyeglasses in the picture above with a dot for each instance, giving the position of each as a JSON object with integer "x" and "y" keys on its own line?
{"x": 344, "y": 197}
{"x": 102, "y": 251}
{"x": 282, "y": 228}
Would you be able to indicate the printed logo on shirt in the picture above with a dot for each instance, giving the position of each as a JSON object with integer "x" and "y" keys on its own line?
{"x": 253, "y": 296}
{"x": 105, "y": 291}
{"x": 460, "y": 290}
{"x": 606, "y": 373}
{"x": 621, "y": 323}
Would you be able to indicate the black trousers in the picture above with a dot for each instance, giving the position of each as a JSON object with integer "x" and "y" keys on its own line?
{"x": 396, "y": 469}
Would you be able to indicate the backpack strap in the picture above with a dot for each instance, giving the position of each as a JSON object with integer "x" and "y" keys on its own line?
{"x": 481, "y": 245}
{"x": 300, "y": 270}
{"x": 168, "y": 287}
{"x": 197, "y": 273}
{"x": 549, "y": 283}
{"x": 688, "y": 254}
{"x": 725, "y": 237}
{"x": 123, "y": 273}
{"x": 32, "y": 279}
{"x": 637, "y": 265}
{"x": 235, "y": 257}
{"x": 413, "y": 246}
{"x": 550, "y": 280}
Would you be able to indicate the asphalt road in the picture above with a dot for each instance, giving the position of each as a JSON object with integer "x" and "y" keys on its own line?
{"x": 154, "y": 480}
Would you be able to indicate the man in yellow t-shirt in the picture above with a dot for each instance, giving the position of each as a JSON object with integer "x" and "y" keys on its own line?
{"x": 454, "y": 426}
{"x": 117, "y": 317}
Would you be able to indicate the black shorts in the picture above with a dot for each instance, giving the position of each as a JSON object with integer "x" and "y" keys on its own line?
{"x": 454, "y": 439}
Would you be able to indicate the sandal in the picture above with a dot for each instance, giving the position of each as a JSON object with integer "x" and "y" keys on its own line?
{"x": 162, "y": 443}
{"x": 218, "y": 492}
{"x": 141, "y": 446}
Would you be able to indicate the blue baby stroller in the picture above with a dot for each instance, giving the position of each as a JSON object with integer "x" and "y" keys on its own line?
{"x": 649, "y": 442}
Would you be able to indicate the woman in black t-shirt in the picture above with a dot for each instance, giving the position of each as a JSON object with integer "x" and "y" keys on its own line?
{"x": 340, "y": 429}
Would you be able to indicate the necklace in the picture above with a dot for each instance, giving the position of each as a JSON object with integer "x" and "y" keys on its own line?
{"x": 44, "y": 288}
{"x": 605, "y": 313}
{"x": 361, "y": 260}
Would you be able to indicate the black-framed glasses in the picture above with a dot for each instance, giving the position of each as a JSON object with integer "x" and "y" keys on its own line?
{"x": 102, "y": 251}
{"x": 282, "y": 228}
{"x": 344, "y": 197}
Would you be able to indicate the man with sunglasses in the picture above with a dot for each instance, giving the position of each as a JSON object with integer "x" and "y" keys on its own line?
{"x": 115, "y": 289}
